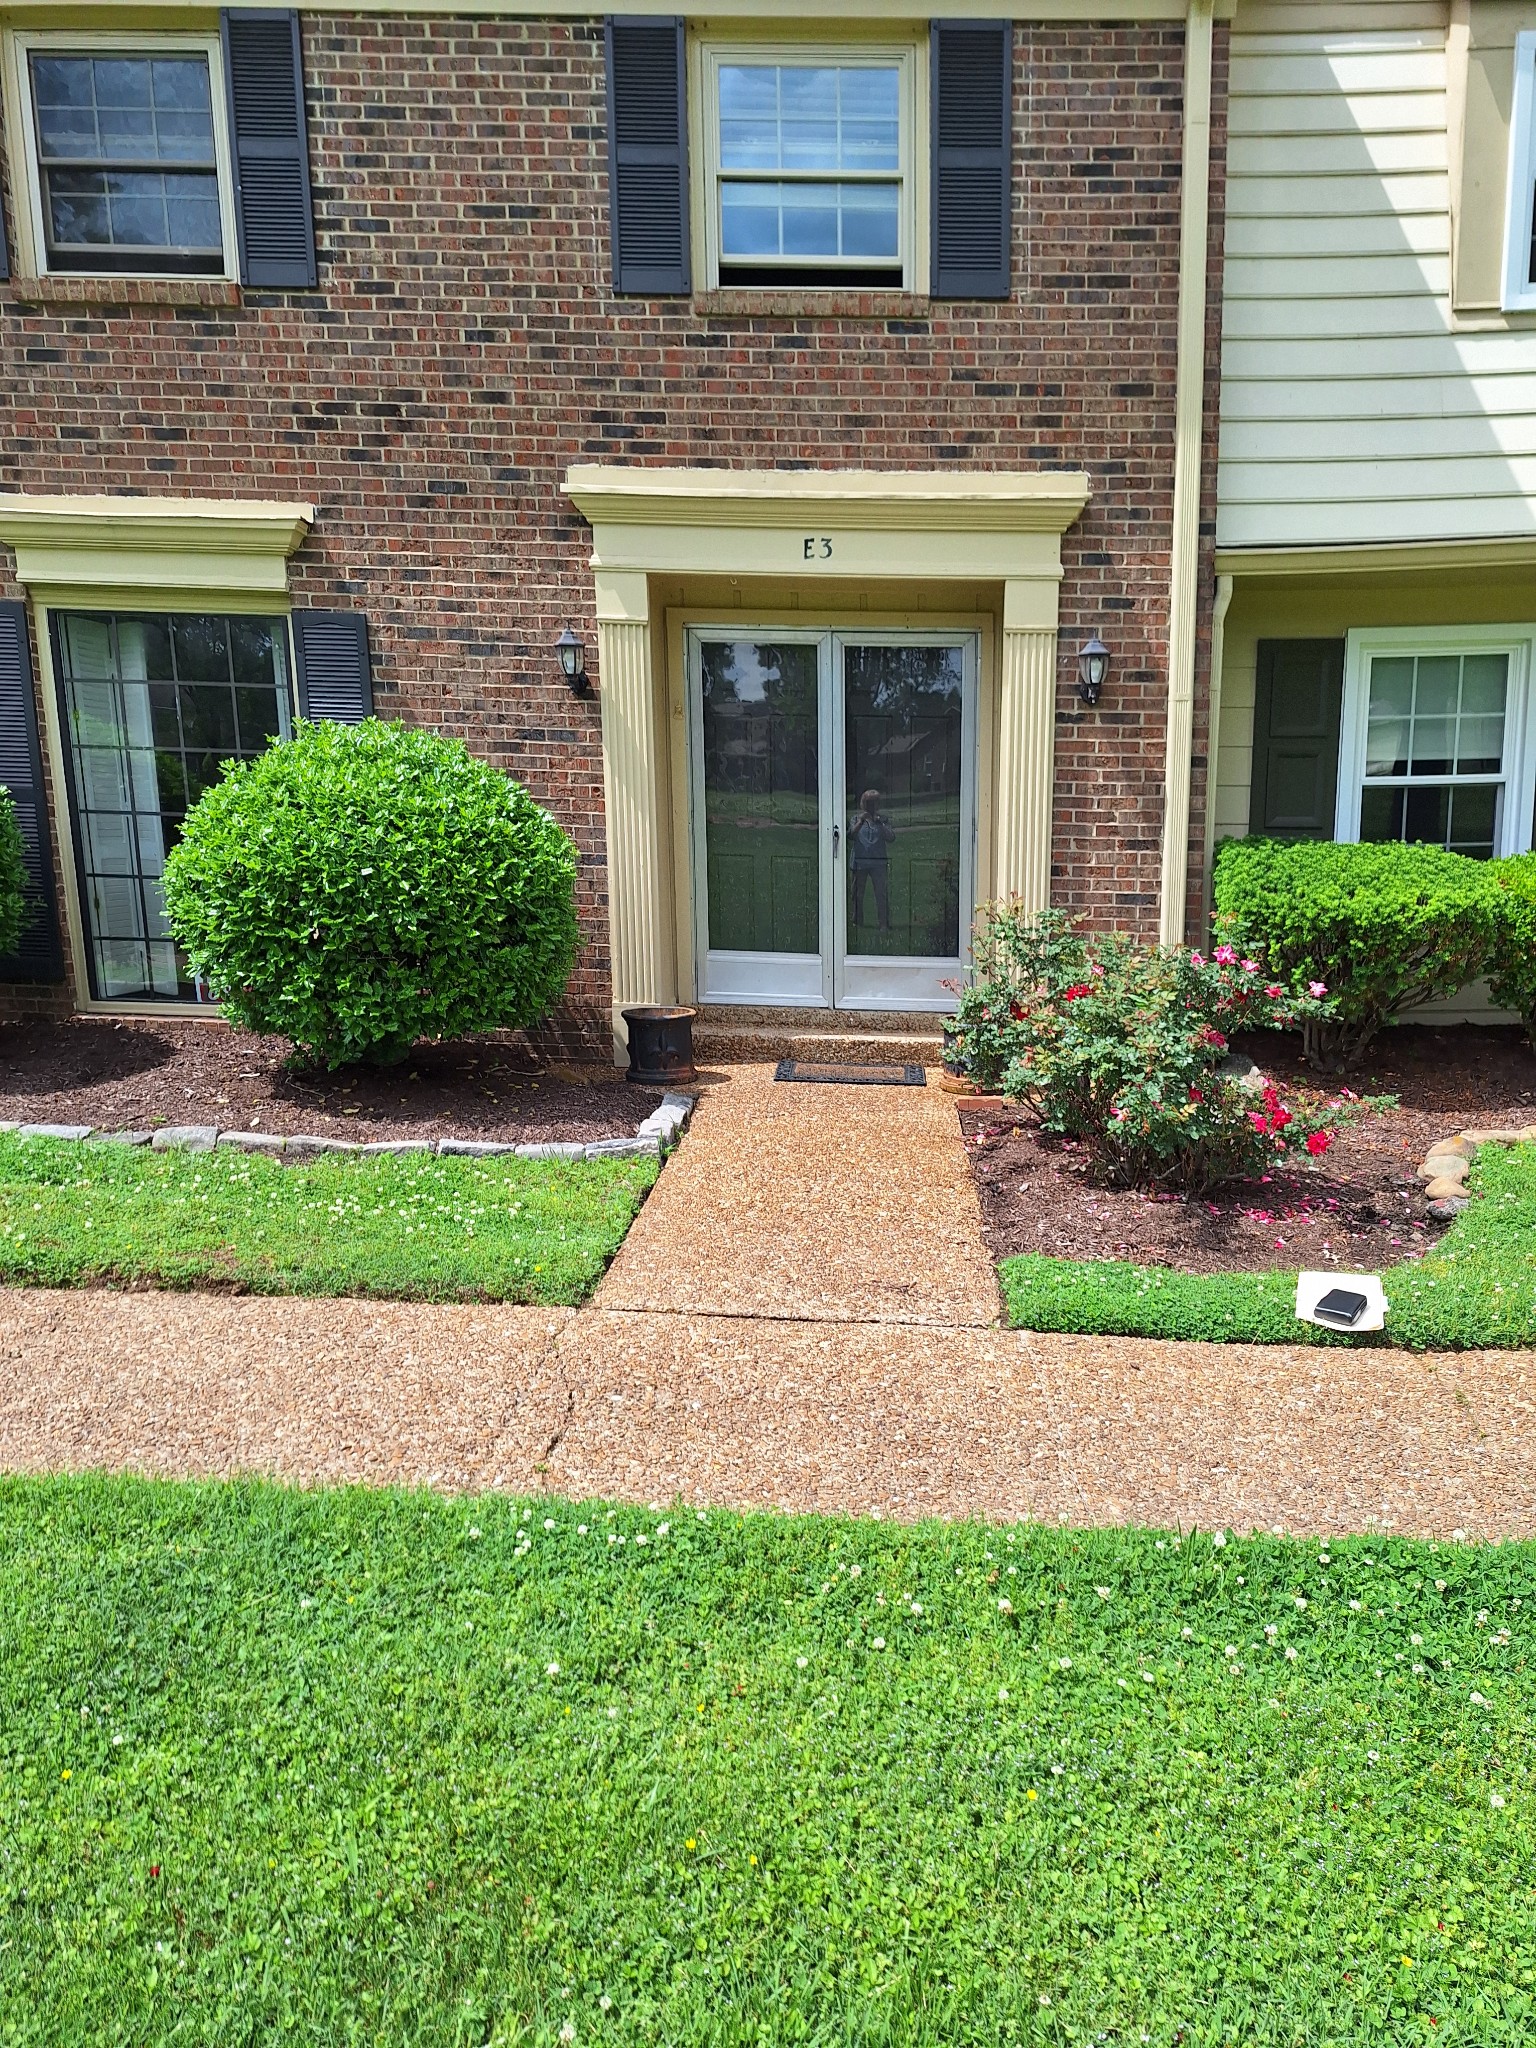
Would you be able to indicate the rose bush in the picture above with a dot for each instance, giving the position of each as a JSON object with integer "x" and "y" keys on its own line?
{"x": 1123, "y": 1048}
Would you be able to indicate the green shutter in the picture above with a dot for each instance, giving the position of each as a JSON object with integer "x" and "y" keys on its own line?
{"x": 1296, "y": 738}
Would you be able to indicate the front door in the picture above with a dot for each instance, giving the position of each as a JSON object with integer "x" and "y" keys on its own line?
{"x": 834, "y": 815}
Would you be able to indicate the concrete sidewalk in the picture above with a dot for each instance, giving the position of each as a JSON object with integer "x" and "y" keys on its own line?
{"x": 803, "y": 1201}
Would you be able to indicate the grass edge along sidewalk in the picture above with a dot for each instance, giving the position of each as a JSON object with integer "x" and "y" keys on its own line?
{"x": 352, "y": 1766}
{"x": 1475, "y": 1290}
{"x": 415, "y": 1227}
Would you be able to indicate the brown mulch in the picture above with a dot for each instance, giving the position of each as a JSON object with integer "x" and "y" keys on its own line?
{"x": 141, "y": 1075}
{"x": 1360, "y": 1207}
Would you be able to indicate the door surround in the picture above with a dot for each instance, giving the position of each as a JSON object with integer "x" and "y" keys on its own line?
{"x": 876, "y": 529}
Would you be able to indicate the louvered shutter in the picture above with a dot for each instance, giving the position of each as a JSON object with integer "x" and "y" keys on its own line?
{"x": 5, "y": 254}
{"x": 335, "y": 674}
{"x": 1297, "y": 708}
{"x": 972, "y": 158}
{"x": 647, "y": 155}
{"x": 264, "y": 78}
{"x": 38, "y": 956}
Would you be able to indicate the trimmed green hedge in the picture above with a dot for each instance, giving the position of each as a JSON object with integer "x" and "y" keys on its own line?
{"x": 1512, "y": 971}
{"x": 360, "y": 887}
{"x": 1476, "y": 1290}
{"x": 1384, "y": 927}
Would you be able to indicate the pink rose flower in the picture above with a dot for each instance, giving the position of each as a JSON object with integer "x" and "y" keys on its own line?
{"x": 1318, "y": 988}
{"x": 1225, "y": 955}
{"x": 1250, "y": 967}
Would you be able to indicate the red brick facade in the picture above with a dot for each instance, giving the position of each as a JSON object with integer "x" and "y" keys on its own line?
{"x": 465, "y": 346}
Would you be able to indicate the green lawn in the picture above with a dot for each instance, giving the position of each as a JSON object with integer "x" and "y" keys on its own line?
{"x": 368, "y": 1768}
{"x": 420, "y": 1227}
{"x": 1476, "y": 1289}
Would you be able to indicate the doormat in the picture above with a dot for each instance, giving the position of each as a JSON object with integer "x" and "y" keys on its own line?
{"x": 855, "y": 1077}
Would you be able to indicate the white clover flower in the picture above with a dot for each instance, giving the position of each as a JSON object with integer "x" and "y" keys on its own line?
{"x": 1125, "y": 1682}
{"x": 1271, "y": 1630}
{"x": 613, "y": 1713}
{"x": 1058, "y": 1770}
{"x": 473, "y": 1535}
{"x": 855, "y": 1571}
{"x": 1300, "y": 1603}
{"x": 1417, "y": 1642}
{"x": 1439, "y": 1585}
{"x": 1219, "y": 1540}
{"x": 552, "y": 1670}
{"x": 1102, "y": 1591}
{"x": 1241, "y": 1580}
{"x": 917, "y": 1606}
{"x": 1005, "y": 1607}
{"x": 1002, "y": 1692}
{"x": 1291, "y": 1653}
{"x": 1495, "y": 1798}
{"x": 663, "y": 1528}
{"x": 1188, "y": 1634}
{"x": 1418, "y": 1670}
{"x": 568, "y": 2032}
{"x": 1373, "y": 1756}
{"x": 1477, "y": 1699}
{"x": 581, "y": 1528}
{"x": 802, "y": 1662}
{"x": 1065, "y": 1663}
{"x": 1482, "y": 1616}
{"x": 1323, "y": 1557}
{"x": 1231, "y": 1649}
{"x": 1357, "y": 1606}
{"x": 1149, "y": 1676}
{"x": 877, "y": 1643}
{"x": 548, "y": 1523}
{"x": 605, "y": 2003}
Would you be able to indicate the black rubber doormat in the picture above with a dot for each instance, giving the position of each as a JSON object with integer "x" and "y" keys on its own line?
{"x": 856, "y": 1077}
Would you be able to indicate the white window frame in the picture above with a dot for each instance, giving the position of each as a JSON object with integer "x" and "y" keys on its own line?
{"x": 31, "y": 254}
{"x": 1519, "y": 771}
{"x": 1520, "y": 207}
{"x": 909, "y": 56}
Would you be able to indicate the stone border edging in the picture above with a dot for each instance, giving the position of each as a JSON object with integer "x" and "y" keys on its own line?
{"x": 1448, "y": 1161}
{"x": 655, "y": 1137}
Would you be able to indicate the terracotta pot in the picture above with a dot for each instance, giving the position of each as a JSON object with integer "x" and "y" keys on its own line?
{"x": 660, "y": 1046}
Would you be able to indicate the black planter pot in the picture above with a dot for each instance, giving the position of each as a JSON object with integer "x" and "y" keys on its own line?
{"x": 660, "y": 1046}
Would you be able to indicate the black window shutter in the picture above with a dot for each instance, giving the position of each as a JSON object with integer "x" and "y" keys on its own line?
{"x": 647, "y": 155}
{"x": 5, "y": 254}
{"x": 971, "y": 88}
{"x": 264, "y": 79}
{"x": 1297, "y": 707}
{"x": 335, "y": 674}
{"x": 39, "y": 955}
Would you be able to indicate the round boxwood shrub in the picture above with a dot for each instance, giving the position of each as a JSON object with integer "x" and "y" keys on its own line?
{"x": 1512, "y": 970}
{"x": 359, "y": 887}
{"x": 13, "y": 875}
{"x": 1383, "y": 927}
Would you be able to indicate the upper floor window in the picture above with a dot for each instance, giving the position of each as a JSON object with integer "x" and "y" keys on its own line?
{"x": 809, "y": 165}
{"x": 1520, "y": 211}
{"x": 124, "y": 158}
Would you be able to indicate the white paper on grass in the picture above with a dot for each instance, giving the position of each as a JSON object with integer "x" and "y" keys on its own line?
{"x": 1311, "y": 1287}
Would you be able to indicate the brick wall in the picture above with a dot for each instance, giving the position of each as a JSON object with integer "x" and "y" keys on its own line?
{"x": 464, "y": 347}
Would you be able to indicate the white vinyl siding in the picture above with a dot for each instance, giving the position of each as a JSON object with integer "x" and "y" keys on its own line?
{"x": 1352, "y": 410}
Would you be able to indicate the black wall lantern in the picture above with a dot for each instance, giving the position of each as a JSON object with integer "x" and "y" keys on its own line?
{"x": 1092, "y": 668}
{"x": 573, "y": 661}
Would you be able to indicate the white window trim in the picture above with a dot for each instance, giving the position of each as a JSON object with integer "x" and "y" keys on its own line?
{"x": 30, "y": 256}
{"x": 911, "y": 58}
{"x": 1519, "y": 290}
{"x": 1518, "y": 642}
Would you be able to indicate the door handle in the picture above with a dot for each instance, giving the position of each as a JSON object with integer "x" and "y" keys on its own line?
{"x": 837, "y": 839}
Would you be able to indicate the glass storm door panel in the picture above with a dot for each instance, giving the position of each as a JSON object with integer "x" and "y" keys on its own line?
{"x": 758, "y": 816}
{"x": 906, "y": 780}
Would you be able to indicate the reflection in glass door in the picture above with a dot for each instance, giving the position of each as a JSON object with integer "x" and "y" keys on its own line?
{"x": 904, "y": 773}
{"x": 834, "y": 807}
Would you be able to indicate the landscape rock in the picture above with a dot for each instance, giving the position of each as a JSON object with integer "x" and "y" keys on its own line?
{"x": 54, "y": 1130}
{"x": 1460, "y": 1147}
{"x": 470, "y": 1148}
{"x": 308, "y": 1147}
{"x": 252, "y": 1141}
{"x": 186, "y": 1138}
{"x": 1445, "y": 1189}
{"x": 1445, "y": 1166}
{"x": 551, "y": 1151}
{"x": 1243, "y": 1072}
{"x": 1443, "y": 1208}
{"x": 121, "y": 1137}
{"x": 397, "y": 1147}
{"x": 623, "y": 1148}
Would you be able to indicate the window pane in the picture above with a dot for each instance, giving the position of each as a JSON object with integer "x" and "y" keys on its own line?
{"x": 810, "y": 117}
{"x": 1390, "y": 714}
{"x": 1474, "y": 820}
{"x": 800, "y": 222}
{"x": 1432, "y": 746}
{"x": 1437, "y": 686}
{"x": 1427, "y": 814}
{"x": 1381, "y": 814}
{"x": 142, "y": 747}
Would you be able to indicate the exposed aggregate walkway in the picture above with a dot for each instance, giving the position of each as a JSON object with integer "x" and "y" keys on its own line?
{"x": 803, "y": 1317}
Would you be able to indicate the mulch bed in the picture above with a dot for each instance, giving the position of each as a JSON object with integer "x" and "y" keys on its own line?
{"x": 1361, "y": 1207}
{"x": 138, "y": 1076}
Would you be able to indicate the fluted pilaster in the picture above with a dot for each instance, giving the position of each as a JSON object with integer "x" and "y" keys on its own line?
{"x": 1025, "y": 765}
{"x": 631, "y": 743}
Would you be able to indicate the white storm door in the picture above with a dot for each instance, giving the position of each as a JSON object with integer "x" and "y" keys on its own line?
{"x": 759, "y": 704}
